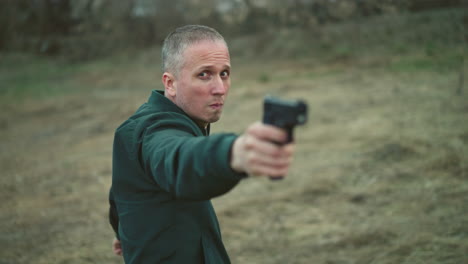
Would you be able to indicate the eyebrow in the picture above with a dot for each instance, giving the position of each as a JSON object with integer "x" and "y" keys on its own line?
{"x": 209, "y": 67}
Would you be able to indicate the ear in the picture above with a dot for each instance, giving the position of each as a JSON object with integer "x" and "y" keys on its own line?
{"x": 168, "y": 82}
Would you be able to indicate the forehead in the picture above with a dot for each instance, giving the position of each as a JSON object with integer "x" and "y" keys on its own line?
{"x": 206, "y": 53}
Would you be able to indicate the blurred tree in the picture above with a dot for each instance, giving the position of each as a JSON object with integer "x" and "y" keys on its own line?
{"x": 54, "y": 20}
{"x": 6, "y": 20}
{"x": 420, "y": 5}
{"x": 100, "y": 26}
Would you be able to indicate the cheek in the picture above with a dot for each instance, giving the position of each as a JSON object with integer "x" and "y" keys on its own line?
{"x": 200, "y": 91}
{"x": 194, "y": 90}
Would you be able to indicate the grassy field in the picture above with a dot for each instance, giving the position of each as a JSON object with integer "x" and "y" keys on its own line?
{"x": 380, "y": 173}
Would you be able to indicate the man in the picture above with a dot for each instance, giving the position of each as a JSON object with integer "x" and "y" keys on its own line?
{"x": 165, "y": 166}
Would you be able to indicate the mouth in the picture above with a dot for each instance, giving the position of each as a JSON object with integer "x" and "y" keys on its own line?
{"x": 216, "y": 106}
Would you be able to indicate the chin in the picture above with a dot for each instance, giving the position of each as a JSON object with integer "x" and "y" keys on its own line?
{"x": 214, "y": 119}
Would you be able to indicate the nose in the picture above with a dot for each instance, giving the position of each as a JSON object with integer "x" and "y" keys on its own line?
{"x": 220, "y": 86}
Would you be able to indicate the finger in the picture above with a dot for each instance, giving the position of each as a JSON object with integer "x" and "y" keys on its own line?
{"x": 260, "y": 146}
{"x": 270, "y": 171}
{"x": 267, "y": 132}
{"x": 288, "y": 149}
{"x": 117, "y": 247}
{"x": 268, "y": 148}
{"x": 254, "y": 159}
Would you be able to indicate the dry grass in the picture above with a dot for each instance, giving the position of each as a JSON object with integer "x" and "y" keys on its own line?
{"x": 380, "y": 174}
{"x": 379, "y": 177}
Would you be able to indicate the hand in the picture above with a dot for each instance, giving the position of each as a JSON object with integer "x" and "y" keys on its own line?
{"x": 117, "y": 247}
{"x": 255, "y": 153}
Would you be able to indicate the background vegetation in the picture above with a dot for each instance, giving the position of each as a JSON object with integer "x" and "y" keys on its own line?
{"x": 381, "y": 170}
{"x": 85, "y": 29}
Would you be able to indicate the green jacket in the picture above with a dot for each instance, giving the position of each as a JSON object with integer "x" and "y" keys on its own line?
{"x": 165, "y": 171}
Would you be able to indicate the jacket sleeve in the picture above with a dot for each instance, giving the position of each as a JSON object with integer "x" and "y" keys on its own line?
{"x": 185, "y": 165}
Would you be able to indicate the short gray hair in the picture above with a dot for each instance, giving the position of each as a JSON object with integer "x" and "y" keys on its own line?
{"x": 179, "y": 40}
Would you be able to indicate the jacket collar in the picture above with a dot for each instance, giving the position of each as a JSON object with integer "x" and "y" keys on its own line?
{"x": 162, "y": 103}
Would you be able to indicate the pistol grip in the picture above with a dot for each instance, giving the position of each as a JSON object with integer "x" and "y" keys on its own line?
{"x": 290, "y": 139}
{"x": 289, "y": 130}
{"x": 285, "y": 114}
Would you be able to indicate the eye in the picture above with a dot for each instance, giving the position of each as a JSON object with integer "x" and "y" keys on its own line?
{"x": 225, "y": 74}
{"x": 203, "y": 75}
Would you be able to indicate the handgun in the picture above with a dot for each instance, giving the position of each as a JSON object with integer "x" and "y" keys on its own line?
{"x": 285, "y": 114}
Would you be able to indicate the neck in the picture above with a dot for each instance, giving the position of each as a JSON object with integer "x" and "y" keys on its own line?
{"x": 201, "y": 124}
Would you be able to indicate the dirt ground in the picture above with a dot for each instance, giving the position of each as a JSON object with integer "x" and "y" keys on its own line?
{"x": 380, "y": 173}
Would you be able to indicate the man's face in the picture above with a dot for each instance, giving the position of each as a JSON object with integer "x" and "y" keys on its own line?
{"x": 203, "y": 81}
